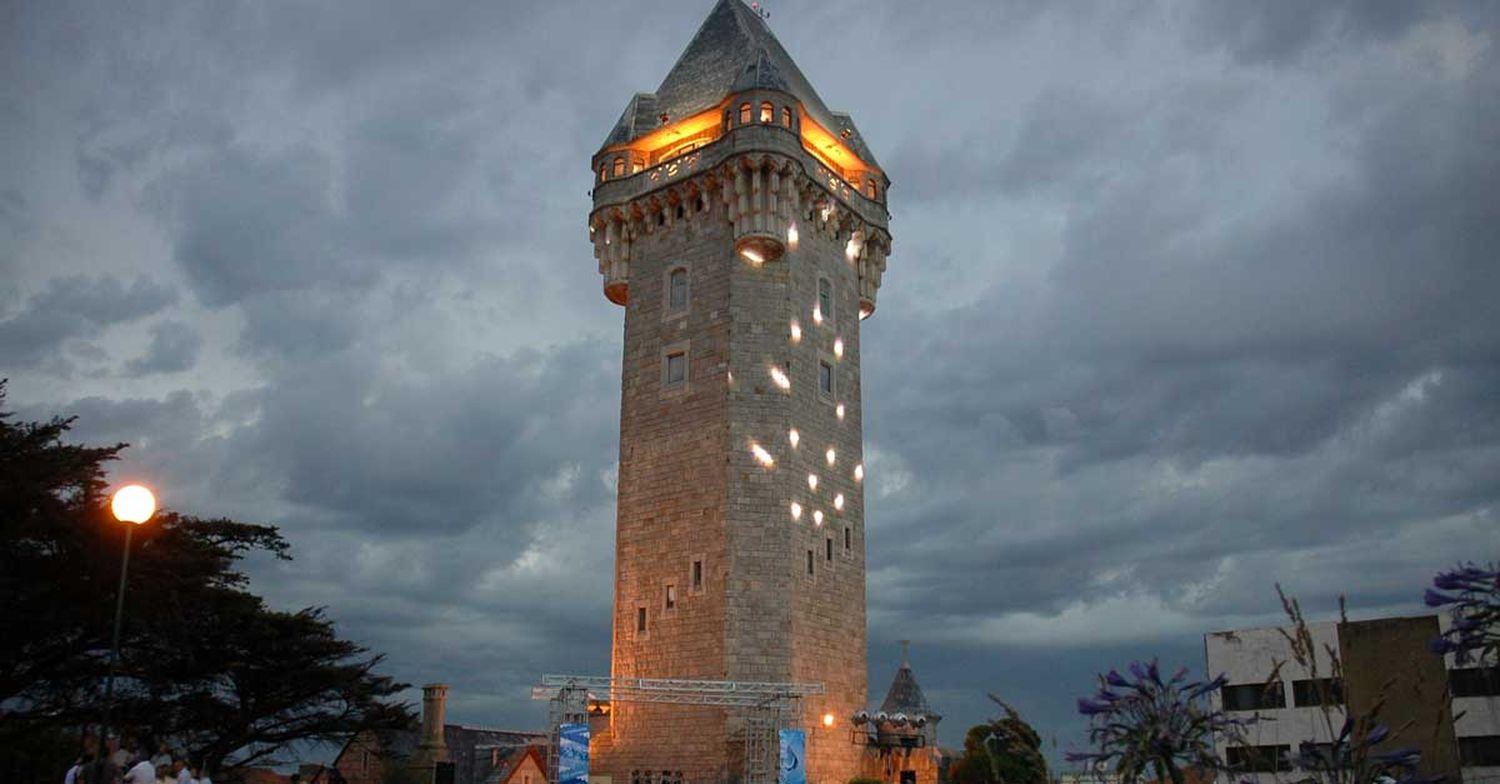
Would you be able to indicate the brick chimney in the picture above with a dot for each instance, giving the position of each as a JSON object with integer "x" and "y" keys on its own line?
{"x": 432, "y": 748}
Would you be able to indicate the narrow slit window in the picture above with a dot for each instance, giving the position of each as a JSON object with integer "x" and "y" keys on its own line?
{"x": 670, "y": 599}
{"x": 848, "y": 539}
{"x": 825, "y": 298}
{"x": 640, "y": 620}
{"x": 825, "y": 378}
{"x": 828, "y": 549}
{"x": 677, "y": 289}
{"x": 744, "y": 114}
{"x": 697, "y": 575}
{"x": 767, "y": 112}
{"x": 809, "y": 562}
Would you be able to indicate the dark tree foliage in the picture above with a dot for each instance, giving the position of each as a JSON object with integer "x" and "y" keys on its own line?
{"x": 203, "y": 662}
{"x": 1006, "y": 750}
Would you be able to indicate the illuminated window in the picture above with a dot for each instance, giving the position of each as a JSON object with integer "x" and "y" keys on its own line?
{"x": 744, "y": 114}
{"x": 697, "y": 575}
{"x": 825, "y": 298}
{"x": 870, "y": 188}
{"x": 619, "y": 167}
{"x": 603, "y": 172}
{"x": 727, "y": 117}
{"x": 767, "y": 112}
{"x": 825, "y": 378}
{"x": 670, "y": 599}
{"x": 786, "y": 117}
{"x": 635, "y": 167}
{"x": 677, "y": 289}
{"x": 674, "y": 368}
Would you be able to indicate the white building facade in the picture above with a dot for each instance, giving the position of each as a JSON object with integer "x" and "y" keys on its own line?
{"x": 1451, "y": 712}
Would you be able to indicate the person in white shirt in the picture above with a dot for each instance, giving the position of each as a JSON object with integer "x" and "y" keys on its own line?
{"x": 141, "y": 773}
{"x": 72, "y": 775}
{"x": 184, "y": 773}
{"x": 163, "y": 756}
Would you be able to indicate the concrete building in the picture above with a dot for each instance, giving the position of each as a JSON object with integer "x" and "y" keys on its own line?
{"x": 1451, "y": 713}
{"x": 742, "y": 226}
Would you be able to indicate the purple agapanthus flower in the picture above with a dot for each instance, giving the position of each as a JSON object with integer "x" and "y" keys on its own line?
{"x": 1471, "y": 594}
{"x": 1145, "y": 727}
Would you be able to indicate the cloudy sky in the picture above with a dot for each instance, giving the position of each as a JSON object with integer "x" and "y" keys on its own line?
{"x": 1186, "y": 299}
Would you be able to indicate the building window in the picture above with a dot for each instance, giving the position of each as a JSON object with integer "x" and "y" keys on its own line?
{"x": 786, "y": 117}
{"x": 679, "y": 212}
{"x": 1259, "y": 759}
{"x": 1253, "y": 696}
{"x": 1474, "y": 681}
{"x": 870, "y": 188}
{"x": 744, "y": 114}
{"x": 848, "y": 539}
{"x": 697, "y": 575}
{"x": 1321, "y": 756}
{"x": 1479, "y": 751}
{"x": 767, "y": 112}
{"x": 809, "y": 563}
{"x": 640, "y": 620}
{"x": 825, "y": 378}
{"x": 636, "y": 166}
{"x": 677, "y": 289}
{"x": 670, "y": 598}
{"x": 674, "y": 367}
{"x": 825, "y": 298}
{"x": 1322, "y": 691}
{"x": 726, "y": 120}
{"x": 603, "y": 172}
{"x": 619, "y": 170}
{"x": 828, "y": 548}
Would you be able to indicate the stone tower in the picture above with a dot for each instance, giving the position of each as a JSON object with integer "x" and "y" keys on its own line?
{"x": 743, "y": 227}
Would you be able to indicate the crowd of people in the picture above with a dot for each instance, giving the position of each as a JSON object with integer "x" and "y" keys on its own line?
{"x": 134, "y": 763}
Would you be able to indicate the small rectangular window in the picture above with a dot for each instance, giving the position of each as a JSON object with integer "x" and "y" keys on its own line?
{"x": 640, "y": 620}
{"x": 676, "y": 370}
{"x": 848, "y": 539}
{"x": 809, "y": 562}
{"x": 744, "y": 114}
{"x": 1474, "y": 681}
{"x": 1259, "y": 759}
{"x": 1253, "y": 696}
{"x": 677, "y": 289}
{"x": 829, "y": 548}
{"x": 825, "y": 378}
{"x": 671, "y": 598}
{"x": 1312, "y": 693}
{"x": 825, "y": 298}
{"x": 786, "y": 117}
{"x": 1479, "y": 751}
{"x": 697, "y": 575}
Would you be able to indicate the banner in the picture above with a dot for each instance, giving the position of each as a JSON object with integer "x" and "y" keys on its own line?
{"x": 793, "y": 757}
{"x": 573, "y": 754}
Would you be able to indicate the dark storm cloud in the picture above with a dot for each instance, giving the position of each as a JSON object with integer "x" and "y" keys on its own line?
{"x": 174, "y": 348}
{"x": 1187, "y": 299}
{"x": 77, "y": 306}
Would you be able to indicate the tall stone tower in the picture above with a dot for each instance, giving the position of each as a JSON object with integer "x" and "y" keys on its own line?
{"x": 743, "y": 227}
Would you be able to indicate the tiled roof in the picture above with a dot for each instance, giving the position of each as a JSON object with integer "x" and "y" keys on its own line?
{"x": 905, "y": 696}
{"x": 734, "y": 50}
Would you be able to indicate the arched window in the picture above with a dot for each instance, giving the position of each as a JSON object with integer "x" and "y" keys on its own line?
{"x": 767, "y": 112}
{"x": 744, "y": 114}
{"x": 636, "y": 166}
{"x": 619, "y": 167}
{"x": 603, "y": 172}
{"x": 786, "y": 117}
{"x": 677, "y": 289}
{"x": 870, "y": 188}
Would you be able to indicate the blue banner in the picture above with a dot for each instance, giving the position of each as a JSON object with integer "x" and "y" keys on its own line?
{"x": 573, "y": 754}
{"x": 793, "y": 757}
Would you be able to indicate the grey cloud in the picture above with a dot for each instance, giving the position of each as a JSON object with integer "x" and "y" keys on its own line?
{"x": 174, "y": 348}
{"x": 77, "y": 306}
{"x": 1281, "y": 32}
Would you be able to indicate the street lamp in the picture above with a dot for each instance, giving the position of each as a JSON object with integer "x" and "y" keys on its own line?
{"x": 132, "y": 504}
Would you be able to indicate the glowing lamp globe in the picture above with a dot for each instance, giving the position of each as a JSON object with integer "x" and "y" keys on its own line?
{"x": 828, "y": 720}
{"x": 133, "y": 504}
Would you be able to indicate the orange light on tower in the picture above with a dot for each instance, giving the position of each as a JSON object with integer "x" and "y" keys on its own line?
{"x": 828, "y": 719}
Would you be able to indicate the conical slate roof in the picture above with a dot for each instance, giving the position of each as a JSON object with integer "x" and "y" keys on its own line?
{"x": 734, "y": 50}
{"x": 905, "y": 696}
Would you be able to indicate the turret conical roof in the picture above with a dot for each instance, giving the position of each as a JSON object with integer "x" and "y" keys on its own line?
{"x": 733, "y": 50}
{"x": 905, "y": 695}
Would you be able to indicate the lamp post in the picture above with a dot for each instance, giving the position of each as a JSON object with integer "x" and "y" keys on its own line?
{"x": 132, "y": 504}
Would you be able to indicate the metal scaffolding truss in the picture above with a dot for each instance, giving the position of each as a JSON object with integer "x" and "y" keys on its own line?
{"x": 765, "y": 708}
